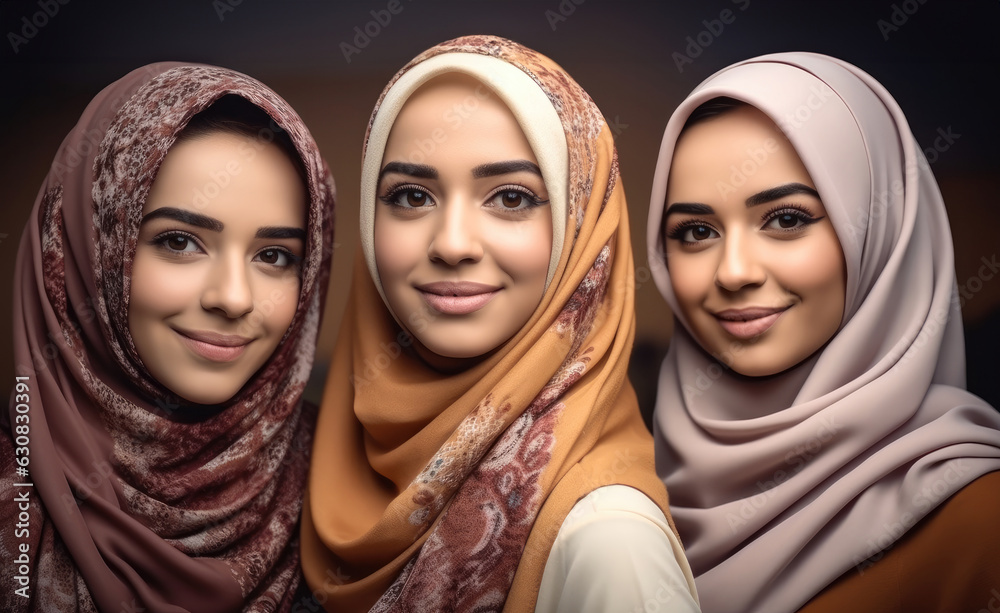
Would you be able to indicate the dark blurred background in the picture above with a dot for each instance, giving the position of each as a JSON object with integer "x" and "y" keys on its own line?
{"x": 939, "y": 59}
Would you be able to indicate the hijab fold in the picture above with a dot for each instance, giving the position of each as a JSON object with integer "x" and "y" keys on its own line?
{"x": 139, "y": 500}
{"x": 780, "y": 486}
{"x": 444, "y": 492}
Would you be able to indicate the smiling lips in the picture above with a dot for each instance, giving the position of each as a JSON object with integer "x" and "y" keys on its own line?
{"x": 214, "y": 346}
{"x": 457, "y": 298}
{"x": 748, "y": 323}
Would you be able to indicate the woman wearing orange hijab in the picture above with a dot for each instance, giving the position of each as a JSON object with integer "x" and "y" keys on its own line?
{"x": 479, "y": 446}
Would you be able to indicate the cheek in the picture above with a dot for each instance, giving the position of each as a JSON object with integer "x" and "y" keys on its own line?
{"x": 160, "y": 288}
{"x": 690, "y": 278}
{"x": 397, "y": 249}
{"x": 523, "y": 250}
{"x": 280, "y": 305}
{"x": 817, "y": 268}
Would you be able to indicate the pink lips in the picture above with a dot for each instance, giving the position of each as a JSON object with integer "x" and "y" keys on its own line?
{"x": 748, "y": 323}
{"x": 214, "y": 346}
{"x": 457, "y": 297}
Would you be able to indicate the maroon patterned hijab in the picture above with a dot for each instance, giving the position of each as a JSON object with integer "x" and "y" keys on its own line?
{"x": 140, "y": 503}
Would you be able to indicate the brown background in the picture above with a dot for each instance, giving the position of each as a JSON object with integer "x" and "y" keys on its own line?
{"x": 940, "y": 64}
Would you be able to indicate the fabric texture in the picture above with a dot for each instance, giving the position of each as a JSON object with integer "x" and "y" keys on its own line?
{"x": 140, "y": 501}
{"x": 444, "y": 492}
{"x": 609, "y": 556}
{"x": 780, "y": 485}
{"x": 947, "y": 564}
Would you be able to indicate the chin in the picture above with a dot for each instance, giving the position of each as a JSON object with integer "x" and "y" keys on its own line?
{"x": 204, "y": 391}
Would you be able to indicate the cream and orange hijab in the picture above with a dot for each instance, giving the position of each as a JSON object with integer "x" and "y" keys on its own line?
{"x": 435, "y": 492}
{"x": 779, "y": 485}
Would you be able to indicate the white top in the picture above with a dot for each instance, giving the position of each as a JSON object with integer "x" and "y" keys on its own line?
{"x": 616, "y": 552}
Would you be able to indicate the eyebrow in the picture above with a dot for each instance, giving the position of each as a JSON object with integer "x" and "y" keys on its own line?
{"x": 491, "y": 169}
{"x": 768, "y": 195}
{"x": 281, "y": 232}
{"x": 781, "y": 191}
{"x": 691, "y": 208}
{"x": 421, "y": 171}
{"x": 501, "y": 168}
{"x": 203, "y": 221}
{"x": 188, "y": 217}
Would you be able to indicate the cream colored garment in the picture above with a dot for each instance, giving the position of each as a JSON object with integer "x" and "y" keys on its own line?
{"x": 616, "y": 552}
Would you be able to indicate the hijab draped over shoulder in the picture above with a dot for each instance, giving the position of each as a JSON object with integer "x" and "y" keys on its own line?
{"x": 779, "y": 485}
{"x": 444, "y": 492}
{"x": 140, "y": 501}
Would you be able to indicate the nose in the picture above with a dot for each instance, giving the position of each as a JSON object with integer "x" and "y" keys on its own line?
{"x": 227, "y": 287}
{"x": 740, "y": 265}
{"x": 456, "y": 235}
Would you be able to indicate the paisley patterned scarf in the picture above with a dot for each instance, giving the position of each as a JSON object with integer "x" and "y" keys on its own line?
{"x": 139, "y": 502}
{"x": 434, "y": 492}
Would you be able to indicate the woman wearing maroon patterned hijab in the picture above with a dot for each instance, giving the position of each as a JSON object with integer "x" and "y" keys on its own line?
{"x": 167, "y": 299}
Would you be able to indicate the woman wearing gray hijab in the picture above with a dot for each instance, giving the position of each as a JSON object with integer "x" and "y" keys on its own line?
{"x": 812, "y": 422}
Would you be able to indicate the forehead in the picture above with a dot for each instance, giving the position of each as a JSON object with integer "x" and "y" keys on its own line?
{"x": 455, "y": 114}
{"x": 227, "y": 175}
{"x": 737, "y": 151}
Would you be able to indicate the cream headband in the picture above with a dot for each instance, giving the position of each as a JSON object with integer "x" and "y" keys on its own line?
{"x": 523, "y": 96}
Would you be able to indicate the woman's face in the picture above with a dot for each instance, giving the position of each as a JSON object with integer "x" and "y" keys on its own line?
{"x": 754, "y": 261}
{"x": 215, "y": 280}
{"x": 463, "y": 229}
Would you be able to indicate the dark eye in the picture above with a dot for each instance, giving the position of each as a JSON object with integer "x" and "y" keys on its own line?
{"x": 415, "y": 198}
{"x": 511, "y": 199}
{"x": 270, "y": 256}
{"x": 177, "y": 243}
{"x": 276, "y": 257}
{"x": 787, "y": 220}
{"x": 694, "y": 234}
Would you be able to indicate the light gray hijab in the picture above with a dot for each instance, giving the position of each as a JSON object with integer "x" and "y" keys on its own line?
{"x": 780, "y": 485}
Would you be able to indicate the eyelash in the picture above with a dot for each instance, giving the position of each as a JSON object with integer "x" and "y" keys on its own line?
{"x": 531, "y": 197}
{"x": 392, "y": 195}
{"x": 801, "y": 213}
{"x": 677, "y": 232}
{"x": 160, "y": 241}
